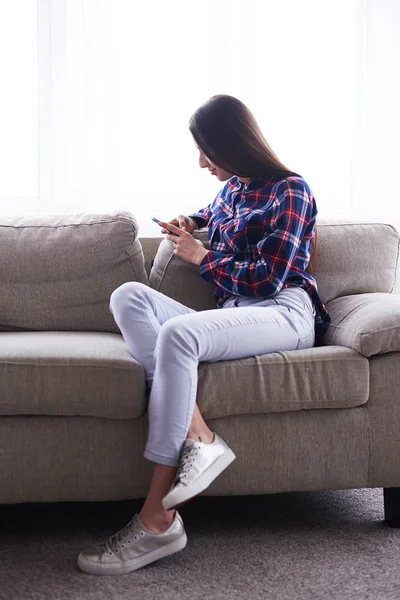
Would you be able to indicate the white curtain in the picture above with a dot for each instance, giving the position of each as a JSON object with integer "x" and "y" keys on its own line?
{"x": 98, "y": 96}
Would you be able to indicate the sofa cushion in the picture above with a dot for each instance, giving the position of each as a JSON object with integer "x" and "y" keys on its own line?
{"x": 69, "y": 373}
{"x": 94, "y": 374}
{"x": 179, "y": 279}
{"x": 58, "y": 272}
{"x": 355, "y": 257}
{"x": 315, "y": 378}
{"x": 367, "y": 323}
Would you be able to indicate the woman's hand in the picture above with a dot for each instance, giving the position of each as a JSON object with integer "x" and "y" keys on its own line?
{"x": 183, "y": 222}
{"x": 185, "y": 246}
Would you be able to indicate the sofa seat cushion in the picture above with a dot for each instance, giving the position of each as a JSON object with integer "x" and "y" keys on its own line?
{"x": 367, "y": 323}
{"x": 69, "y": 373}
{"x": 322, "y": 377}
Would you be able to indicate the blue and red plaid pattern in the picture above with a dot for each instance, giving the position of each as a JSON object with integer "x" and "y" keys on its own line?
{"x": 260, "y": 237}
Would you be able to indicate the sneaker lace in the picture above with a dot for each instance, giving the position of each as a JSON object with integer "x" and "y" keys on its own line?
{"x": 186, "y": 460}
{"x": 116, "y": 541}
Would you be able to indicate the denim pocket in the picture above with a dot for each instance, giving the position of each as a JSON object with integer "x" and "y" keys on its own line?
{"x": 280, "y": 304}
{"x": 311, "y": 309}
{"x": 307, "y": 341}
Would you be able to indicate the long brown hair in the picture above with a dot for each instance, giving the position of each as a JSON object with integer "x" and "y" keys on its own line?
{"x": 229, "y": 135}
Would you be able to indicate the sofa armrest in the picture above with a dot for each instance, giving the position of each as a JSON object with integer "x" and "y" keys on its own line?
{"x": 367, "y": 323}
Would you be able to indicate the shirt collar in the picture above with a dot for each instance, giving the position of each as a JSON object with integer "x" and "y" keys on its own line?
{"x": 254, "y": 184}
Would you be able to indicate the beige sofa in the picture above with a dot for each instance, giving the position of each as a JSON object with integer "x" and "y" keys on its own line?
{"x": 73, "y": 418}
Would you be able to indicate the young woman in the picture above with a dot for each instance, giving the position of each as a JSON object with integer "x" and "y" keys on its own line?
{"x": 261, "y": 227}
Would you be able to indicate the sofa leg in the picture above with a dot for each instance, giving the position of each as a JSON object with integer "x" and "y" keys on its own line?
{"x": 391, "y": 499}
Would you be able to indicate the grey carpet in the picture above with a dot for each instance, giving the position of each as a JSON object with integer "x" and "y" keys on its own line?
{"x": 297, "y": 546}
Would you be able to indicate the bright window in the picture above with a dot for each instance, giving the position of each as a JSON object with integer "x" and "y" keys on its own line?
{"x": 18, "y": 100}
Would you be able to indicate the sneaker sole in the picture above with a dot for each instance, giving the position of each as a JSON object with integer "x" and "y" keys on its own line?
{"x": 182, "y": 495}
{"x": 134, "y": 564}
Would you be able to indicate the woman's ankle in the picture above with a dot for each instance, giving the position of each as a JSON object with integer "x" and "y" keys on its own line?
{"x": 160, "y": 520}
{"x": 203, "y": 436}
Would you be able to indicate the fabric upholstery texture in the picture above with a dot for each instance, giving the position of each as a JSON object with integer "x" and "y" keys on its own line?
{"x": 93, "y": 374}
{"x": 383, "y": 420}
{"x": 73, "y": 418}
{"x": 58, "y": 271}
{"x": 327, "y": 377}
{"x": 54, "y": 459}
{"x": 367, "y": 323}
{"x": 69, "y": 373}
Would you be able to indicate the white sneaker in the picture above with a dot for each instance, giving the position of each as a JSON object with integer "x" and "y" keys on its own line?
{"x": 133, "y": 547}
{"x": 199, "y": 464}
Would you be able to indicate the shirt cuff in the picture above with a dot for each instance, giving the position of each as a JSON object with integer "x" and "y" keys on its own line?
{"x": 200, "y": 222}
{"x": 203, "y": 266}
{"x": 206, "y": 267}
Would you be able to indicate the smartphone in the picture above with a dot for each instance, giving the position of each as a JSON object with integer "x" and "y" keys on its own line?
{"x": 158, "y": 220}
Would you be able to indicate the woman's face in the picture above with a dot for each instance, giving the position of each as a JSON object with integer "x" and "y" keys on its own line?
{"x": 205, "y": 162}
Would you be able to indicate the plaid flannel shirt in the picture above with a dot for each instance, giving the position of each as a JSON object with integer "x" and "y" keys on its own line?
{"x": 260, "y": 236}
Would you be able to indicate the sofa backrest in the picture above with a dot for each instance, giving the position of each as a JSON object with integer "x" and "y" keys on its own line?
{"x": 57, "y": 272}
{"x": 351, "y": 258}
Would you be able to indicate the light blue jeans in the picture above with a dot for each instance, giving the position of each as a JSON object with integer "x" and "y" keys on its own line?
{"x": 169, "y": 340}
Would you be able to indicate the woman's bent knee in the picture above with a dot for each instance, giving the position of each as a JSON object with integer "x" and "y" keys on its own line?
{"x": 178, "y": 334}
{"x": 129, "y": 289}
